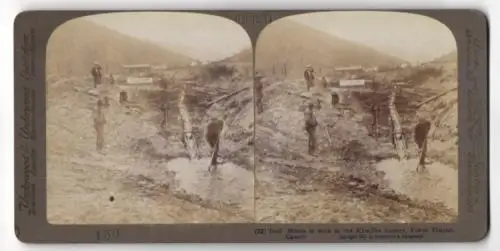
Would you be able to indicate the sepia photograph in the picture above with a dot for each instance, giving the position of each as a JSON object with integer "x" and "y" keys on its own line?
{"x": 150, "y": 120}
{"x": 356, "y": 119}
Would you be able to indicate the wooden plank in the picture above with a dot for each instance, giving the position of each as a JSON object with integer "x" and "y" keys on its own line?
{"x": 436, "y": 97}
{"x": 188, "y": 137}
{"x": 227, "y": 96}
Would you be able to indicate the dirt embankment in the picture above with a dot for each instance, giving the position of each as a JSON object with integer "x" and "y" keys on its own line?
{"x": 353, "y": 177}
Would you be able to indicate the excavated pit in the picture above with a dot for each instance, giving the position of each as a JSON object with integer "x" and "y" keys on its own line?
{"x": 143, "y": 163}
{"x": 231, "y": 188}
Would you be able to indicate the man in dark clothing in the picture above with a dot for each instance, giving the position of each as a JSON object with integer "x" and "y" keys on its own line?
{"x": 309, "y": 77}
{"x": 212, "y": 135}
{"x": 96, "y": 74}
{"x": 310, "y": 126}
{"x": 421, "y": 131}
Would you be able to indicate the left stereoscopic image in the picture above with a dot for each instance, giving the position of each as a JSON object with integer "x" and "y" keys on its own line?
{"x": 149, "y": 120}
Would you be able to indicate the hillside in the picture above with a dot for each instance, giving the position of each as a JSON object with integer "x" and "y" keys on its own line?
{"x": 447, "y": 58}
{"x": 287, "y": 40}
{"x": 75, "y": 45}
{"x": 241, "y": 61}
{"x": 242, "y": 56}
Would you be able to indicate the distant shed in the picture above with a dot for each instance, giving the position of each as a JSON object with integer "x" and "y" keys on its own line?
{"x": 138, "y": 68}
{"x": 350, "y": 69}
{"x": 357, "y": 83}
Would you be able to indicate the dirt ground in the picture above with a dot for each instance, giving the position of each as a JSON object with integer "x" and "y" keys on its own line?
{"x": 145, "y": 176}
{"x": 370, "y": 186}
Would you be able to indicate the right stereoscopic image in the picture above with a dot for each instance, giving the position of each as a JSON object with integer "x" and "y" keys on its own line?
{"x": 356, "y": 119}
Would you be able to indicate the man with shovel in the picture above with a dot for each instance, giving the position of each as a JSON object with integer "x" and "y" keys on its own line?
{"x": 421, "y": 132}
{"x": 310, "y": 126}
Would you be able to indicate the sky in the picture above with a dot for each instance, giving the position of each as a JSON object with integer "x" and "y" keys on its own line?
{"x": 199, "y": 36}
{"x": 411, "y": 37}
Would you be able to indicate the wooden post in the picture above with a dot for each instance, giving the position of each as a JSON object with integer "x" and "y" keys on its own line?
{"x": 397, "y": 128}
{"x": 188, "y": 137}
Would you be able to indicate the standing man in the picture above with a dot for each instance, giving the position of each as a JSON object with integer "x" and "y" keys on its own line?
{"x": 96, "y": 74}
{"x": 421, "y": 132}
{"x": 310, "y": 126}
{"x": 258, "y": 92}
{"x": 164, "y": 112}
{"x": 99, "y": 123}
{"x": 309, "y": 76}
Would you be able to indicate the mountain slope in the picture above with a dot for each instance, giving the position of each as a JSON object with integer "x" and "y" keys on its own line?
{"x": 242, "y": 61}
{"x": 450, "y": 57}
{"x": 244, "y": 55}
{"x": 75, "y": 45}
{"x": 287, "y": 40}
